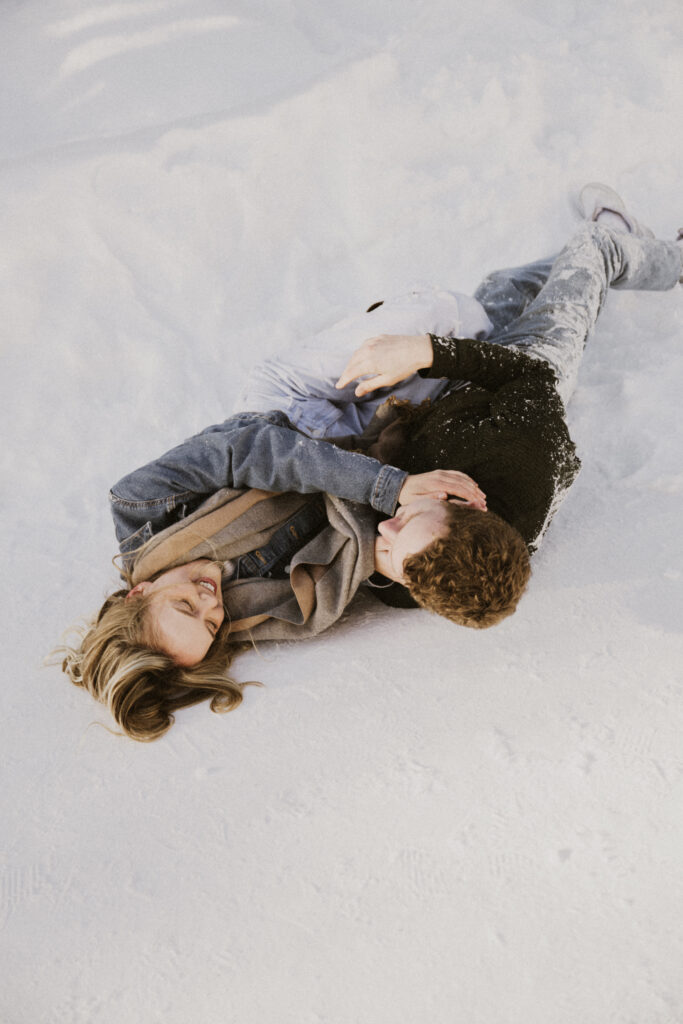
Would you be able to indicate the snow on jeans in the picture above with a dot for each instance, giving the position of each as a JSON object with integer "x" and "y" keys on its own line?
{"x": 548, "y": 308}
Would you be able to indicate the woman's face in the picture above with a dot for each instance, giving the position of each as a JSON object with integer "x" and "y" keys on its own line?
{"x": 185, "y": 610}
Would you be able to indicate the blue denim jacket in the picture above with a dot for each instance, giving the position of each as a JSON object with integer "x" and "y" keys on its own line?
{"x": 247, "y": 450}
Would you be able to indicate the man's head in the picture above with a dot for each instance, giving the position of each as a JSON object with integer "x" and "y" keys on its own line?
{"x": 467, "y": 565}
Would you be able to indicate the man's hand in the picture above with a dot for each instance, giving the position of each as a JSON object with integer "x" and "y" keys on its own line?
{"x": 443, "y": 484}
{"x": 387, "y": 359}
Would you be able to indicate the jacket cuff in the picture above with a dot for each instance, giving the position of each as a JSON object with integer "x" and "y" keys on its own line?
{"x": 388, "y": 486}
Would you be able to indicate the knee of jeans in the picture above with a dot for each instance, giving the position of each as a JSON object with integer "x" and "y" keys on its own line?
{"x": 491, "y": 286}
{"x": 494, "y": 278}
{"x": 592, "y": 231}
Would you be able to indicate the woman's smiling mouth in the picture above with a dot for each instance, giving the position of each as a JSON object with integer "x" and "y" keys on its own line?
{"x": 209, "y": 584}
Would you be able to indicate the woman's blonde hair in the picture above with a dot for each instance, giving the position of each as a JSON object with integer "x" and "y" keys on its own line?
{"x": 143, "y": 687}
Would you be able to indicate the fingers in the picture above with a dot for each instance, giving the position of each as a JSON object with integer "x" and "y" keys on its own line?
{"x": 348, "y": 374}
{"x": 372, "y": 380}
{"x": 443, "y": 485}
{"x": 367, "y": 361}
{"x": 459, "y": 485}
{"x": 478, "y": 503}
{"x": 357, "y": 366}
{"x": 371, "y": 384}
{"x": 386, "y": 359}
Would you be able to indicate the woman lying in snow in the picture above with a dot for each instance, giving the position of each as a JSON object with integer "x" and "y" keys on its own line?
{"x": 252, "y": 530}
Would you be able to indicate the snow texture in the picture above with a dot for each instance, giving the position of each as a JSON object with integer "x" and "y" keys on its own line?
{"x": 411, "y": 822}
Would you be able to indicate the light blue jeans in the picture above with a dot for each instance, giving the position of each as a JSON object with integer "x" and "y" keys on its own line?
{"x": 547, "y": 309}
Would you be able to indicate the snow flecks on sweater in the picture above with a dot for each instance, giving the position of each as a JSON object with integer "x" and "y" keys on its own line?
{"x": 507, "y": 430}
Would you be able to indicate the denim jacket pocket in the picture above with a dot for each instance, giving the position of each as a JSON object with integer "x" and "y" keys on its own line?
{"x": 136, "y": 521}
{"x": 134, "y": 542}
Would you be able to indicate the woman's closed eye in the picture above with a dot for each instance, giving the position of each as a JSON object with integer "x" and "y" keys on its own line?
{"x": 188, "y": 608}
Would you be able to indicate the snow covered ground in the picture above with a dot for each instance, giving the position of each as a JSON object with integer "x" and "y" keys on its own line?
{"x": 411, "y": 822}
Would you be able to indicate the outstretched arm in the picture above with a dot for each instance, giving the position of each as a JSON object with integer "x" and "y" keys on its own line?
{"x": 389, "y": 358}
{"x": 253, "y": 450}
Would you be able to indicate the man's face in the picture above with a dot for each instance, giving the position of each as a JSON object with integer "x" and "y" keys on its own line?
{"x": 412, "y": 529}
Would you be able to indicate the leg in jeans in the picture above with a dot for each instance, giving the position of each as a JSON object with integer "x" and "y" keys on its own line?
{"x": 554, "y": 326}
{"x": 505, "y": 294}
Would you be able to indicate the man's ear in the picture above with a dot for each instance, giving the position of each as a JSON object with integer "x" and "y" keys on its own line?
{"x": 383, "y": 565}
{"x": 138, "y": 589}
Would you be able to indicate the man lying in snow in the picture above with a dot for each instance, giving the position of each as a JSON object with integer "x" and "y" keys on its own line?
{"x": 496, "y": 409}
{"x": 221, "y": 544}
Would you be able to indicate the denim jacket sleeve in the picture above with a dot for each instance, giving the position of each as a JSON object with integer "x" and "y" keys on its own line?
{"x": 247, "y": 450}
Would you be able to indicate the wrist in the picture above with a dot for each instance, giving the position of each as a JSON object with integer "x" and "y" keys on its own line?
{"x": 424, "y": 352}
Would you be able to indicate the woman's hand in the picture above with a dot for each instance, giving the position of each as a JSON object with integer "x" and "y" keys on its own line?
{"x": 443, "y": 484}
{"x": 387, "y": 359}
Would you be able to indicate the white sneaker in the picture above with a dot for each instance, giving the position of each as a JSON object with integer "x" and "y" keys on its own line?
{"x": 597, "y": 201}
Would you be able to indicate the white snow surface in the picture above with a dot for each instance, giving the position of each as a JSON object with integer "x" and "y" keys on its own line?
{"x": 411, "y": 822}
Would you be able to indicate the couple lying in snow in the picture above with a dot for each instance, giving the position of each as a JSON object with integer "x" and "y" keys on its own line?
{"x": 427, "y": 466}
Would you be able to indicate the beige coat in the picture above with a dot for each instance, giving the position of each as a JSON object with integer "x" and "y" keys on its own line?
{"x": 325, "y": 574}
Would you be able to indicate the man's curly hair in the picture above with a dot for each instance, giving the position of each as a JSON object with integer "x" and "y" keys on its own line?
{"x": 476, "y": 574}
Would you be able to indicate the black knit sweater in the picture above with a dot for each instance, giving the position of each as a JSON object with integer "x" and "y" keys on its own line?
{"x": 506, "y": 430}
